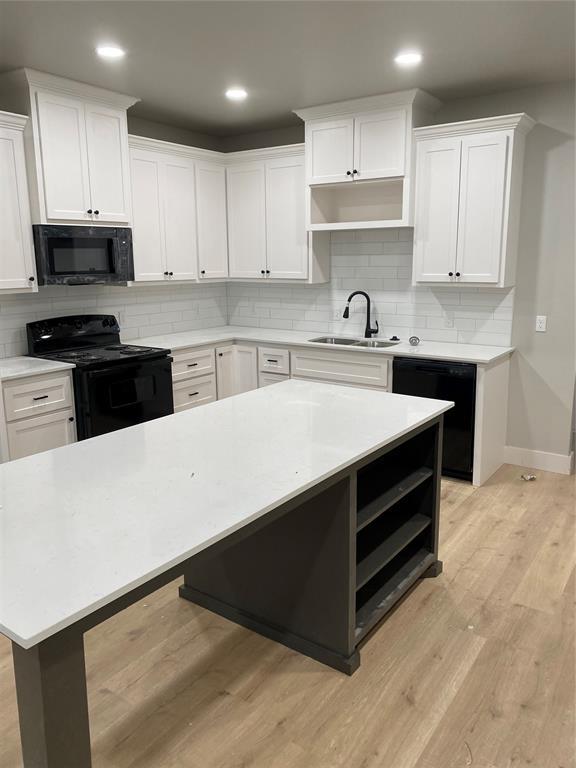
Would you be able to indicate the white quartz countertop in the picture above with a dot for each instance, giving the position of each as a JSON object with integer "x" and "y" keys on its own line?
{"x": 84, "y": 524}
{"x": 17, "y": 367}
{"x": 435, "y": 350}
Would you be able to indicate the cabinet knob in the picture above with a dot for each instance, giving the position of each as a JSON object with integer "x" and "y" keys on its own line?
{"x": 165, "y": 274}
{"x": 348, "y": 173}
{"x": 89, "y": 210}
{"x": 31, "y": 278}
{"x": 96, "y": 212}
{"x": 354, "y": 172}
{"x": 171, "y": 273}
{"x": 267, "y": 271}
{"x": 450, "y": 274}
{"x": 262, "y": 271}
{"x": 71, "y": 418}
{"x": 457, "y": 274}
{"x": 202, "y": 271}
{"x": 220, "y": 354}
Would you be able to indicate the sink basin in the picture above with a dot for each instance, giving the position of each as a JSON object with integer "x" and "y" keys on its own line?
{"x": 334, "y": 340}
{"x": 374, "y": 343}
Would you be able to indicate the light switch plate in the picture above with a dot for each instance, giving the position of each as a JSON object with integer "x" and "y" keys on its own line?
{"x": 541, "y": 323}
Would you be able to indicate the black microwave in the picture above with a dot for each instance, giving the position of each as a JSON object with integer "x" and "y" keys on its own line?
{"x": 76, "y": 255}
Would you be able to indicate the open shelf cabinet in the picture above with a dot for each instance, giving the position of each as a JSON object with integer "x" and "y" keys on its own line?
{"x": 358, "y": 205}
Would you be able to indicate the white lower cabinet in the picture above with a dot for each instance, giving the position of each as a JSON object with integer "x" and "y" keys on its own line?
{"x": 236, "y": 369}
{"x": 266, "y": 379}
{"x": 38, "y": 414}
{"x": 193, "y": 392}
{"x": 338, "y": 368}
{"x": 41, "y": 433}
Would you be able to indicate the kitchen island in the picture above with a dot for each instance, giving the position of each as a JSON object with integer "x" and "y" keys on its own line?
{"x": 304, "y": 511}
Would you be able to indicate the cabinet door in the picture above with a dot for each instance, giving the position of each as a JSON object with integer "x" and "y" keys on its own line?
{"x": 16, "y": 250}
{"x": 212, "y": 222}
{"x": 41, "y": 433}
{"x": 64, "y": 154}
{"x": 179, "y": 196}
{"x": 286, "y": 240}
{"x": 329, "y": 150}
{"x": 246, "y": 220}
{"x": 147, "y": 219}
{"x": 481, "y": 211}
{"x": 225, "y": 380}
{"x": 436, "y": 209}
{"x": 107, "y": 141}
{"x": 236, "y": 370}
{"x": 380, "y": 144}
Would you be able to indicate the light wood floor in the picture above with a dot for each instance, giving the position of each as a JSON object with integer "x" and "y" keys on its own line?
{"x": 475, "y": 669}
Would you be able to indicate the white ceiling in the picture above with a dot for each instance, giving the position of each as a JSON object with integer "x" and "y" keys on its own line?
{"x": 183, "y": 55}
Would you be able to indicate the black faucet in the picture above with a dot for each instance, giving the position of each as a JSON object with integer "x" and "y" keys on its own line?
{"x": 369, "y": 331}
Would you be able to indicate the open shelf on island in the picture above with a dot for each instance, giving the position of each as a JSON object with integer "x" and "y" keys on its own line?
{"x": 390, "y": 496}
{"x": 358, "y": 205}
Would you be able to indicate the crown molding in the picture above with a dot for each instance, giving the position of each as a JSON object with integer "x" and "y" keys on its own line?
{"x": 370, "y": 103}
{"x": 46, "y": 81}
{"x": 12, "y": 120}
{"x": 265, "y": 153}
{"x": 170, "y": 147}
{"x": 520, "y": 122}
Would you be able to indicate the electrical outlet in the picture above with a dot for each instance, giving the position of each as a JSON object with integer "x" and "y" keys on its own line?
{"x": 336, "y": 314}
{"x": 541, "y": 323}
{"x": 119, "y": 317}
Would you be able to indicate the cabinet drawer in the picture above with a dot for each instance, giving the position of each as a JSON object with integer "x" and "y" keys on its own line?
{"x": 193, "y": 392}
{"x": 356, "y": 369}
{"x": 265, "y": 379}
{"x": 37, "y": 395}
{"x": 41, "y": 433}
{"x": 271, "y": 360}
{"x": 192, "y": 362}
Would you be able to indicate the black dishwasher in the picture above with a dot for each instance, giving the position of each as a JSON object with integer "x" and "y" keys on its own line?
{"x": 444, "y": 381}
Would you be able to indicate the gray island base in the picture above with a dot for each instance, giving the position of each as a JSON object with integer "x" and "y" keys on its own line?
{"x": 316, "y": 571}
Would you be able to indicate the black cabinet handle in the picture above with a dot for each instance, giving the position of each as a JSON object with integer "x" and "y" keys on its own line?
{"x": 202, "y": 271}
{"x": 450, "y": 274}
{"x": 457, "y": 274}
{"x": 267, "y": 271}
{"x": 220, "y": 354}
{"x": 71, "y": 418}
{"x": 31, "y": 278}
{"x": 192, "y": 365}
{"x": 166, "y": 274}
{"x": 89, "y": 210}
{"x": 96, "y": 213}
{"x": 41, "y": 397}
{"x": 191, "y": 394}
{"x": 269, "y": 360}
{"x": 170, "y": 273}
{"x": 355, "y": 172}
{"x": 262, "y": 272}
{"x": 348, "y": 173}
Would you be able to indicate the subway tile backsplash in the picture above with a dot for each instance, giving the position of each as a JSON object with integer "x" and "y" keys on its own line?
{"x": 142, "y": 310}
{"x": 377, "y": 261}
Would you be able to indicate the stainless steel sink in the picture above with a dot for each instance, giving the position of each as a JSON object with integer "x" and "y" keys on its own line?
{"x": 374, "y": 343}
{"x": 333, "y": 340}
{"x": 342, "y": 340}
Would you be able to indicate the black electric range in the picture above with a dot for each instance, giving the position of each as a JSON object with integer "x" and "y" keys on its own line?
{"x": 115, "y": 385}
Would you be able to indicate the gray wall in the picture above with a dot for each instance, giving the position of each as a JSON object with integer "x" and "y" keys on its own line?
{"x": 152, "y": 130}
{"x": 542, "y": 376}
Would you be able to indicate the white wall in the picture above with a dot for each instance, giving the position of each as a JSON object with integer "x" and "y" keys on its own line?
{"x": 543, "y": 367}
{"x": 379, "y": 262}
{"x": 143, "y": 311}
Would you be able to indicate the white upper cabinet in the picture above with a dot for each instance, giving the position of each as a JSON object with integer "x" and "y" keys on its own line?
{"x": 286, "y": 241}
{"x": 76, "y": 148}
{"x": 329, "y": 150}
{"x": 362, "y": 140}
{"x": 212, "y": 220}
{"x": 164, "y": 216}
{"x": 64, "y": 152}
{"x": 469, "y": 178}
{"x": 380, "y": 144}
{"x": 17, "y": 271}
{"x": 247, "y": 220}
{"x": 108, "y": 165}
{"x": 179, "y": 202}
{"x": 436, "y": 224}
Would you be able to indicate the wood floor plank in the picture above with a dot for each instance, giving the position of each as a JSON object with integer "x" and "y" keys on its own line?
{"x": 474, "y": 669}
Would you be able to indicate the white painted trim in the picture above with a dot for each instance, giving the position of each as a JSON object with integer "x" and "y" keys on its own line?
{"x": 170, "y": 147}
{"x": 265, "y": 153}
{"x": 547, "y": 462}
{"x": 45, "y": 81}
{"x": 369, "y": 103}
{"x": 520, "y": 122}
{"x": 12, "y": 120}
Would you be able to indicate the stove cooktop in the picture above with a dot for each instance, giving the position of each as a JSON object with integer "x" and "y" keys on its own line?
{"x": 114, "y": 353}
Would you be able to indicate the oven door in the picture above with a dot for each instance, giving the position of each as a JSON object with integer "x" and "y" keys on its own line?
{"x": 122, "y": 395}
{"x": 83, "y": 255}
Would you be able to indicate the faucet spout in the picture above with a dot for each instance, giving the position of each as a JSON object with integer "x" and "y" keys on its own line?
{"x": 369, "y": 331}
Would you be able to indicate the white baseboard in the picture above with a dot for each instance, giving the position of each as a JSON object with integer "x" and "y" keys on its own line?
{"x": 549, "y": 462}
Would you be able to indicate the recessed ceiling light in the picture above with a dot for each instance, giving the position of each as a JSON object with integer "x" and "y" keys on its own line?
{"x": 110, "y": 52}
{"x": 408, "y": 58}
{"x": 236, "y": 94}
